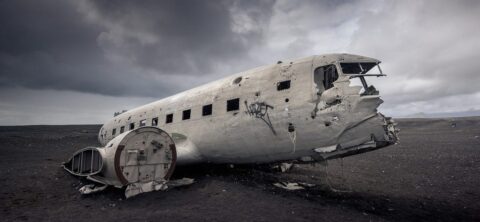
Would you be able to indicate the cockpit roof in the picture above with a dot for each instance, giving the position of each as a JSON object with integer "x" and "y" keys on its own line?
{"x": 320, "y": 60}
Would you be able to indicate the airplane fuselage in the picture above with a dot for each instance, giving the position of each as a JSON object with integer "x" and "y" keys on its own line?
{"x": 303, "y": 109}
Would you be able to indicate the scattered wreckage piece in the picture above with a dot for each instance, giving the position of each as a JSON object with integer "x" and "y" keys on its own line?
{"x": 142, "y": 158}
{"x": 293, "y": 186}
{"x": 138, "y": 188}
{"x": 92, "y": 188}
{"x": 282, "y": 167}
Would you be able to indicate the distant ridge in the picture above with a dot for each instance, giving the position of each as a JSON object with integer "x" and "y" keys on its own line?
{"x": 443, "y": 115}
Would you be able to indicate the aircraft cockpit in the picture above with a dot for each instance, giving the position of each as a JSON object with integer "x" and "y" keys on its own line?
{"x": 356, "y": 69}
{"x": 361, "y": 70}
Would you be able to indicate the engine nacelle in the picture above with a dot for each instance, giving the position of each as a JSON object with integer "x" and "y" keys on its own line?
{"x": 141, "y": 156}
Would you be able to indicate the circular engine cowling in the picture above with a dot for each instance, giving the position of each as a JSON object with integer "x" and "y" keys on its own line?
{"x": 142, "y": 155}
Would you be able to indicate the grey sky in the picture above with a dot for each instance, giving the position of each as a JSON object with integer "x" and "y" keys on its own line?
{"x": 65, "y": 62}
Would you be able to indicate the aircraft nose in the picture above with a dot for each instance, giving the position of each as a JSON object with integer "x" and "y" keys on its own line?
{"x": 377, "y": 130}
{"x": 369, "y": 134}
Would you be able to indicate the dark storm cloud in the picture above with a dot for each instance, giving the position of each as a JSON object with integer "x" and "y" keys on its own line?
{"x": 124, "y": 47}
{"x": 50, "y": 45}
{"x": 175, "y": 37}
{"x": 44, "y": 45}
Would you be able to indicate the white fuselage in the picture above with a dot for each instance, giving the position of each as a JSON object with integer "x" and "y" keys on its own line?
{"x": 258, "y": 131}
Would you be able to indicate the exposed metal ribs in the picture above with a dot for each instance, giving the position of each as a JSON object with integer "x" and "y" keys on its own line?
{"x": 85, "y": 162}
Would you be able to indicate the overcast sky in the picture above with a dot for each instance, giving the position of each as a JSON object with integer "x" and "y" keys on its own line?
{"x": 77, "y": 62}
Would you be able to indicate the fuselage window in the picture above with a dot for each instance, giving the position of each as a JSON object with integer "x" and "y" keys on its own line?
{"x": 155, "y": 121}
{"x": 233, "y": 104}
{"x": 283, "y": 85}
{"x": 207, "y": 110}
{"x": 114, "y": 131}
{"x": 122, "y": 129}
{"x": 132, "y": 126}
{"x": 186, "y": 114}
{"x": 325, "y": 76}
{"x": 169, "y": 118}
{"x": 143, "y": 122}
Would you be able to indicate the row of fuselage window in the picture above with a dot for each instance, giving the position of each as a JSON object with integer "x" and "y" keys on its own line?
{"x": 232, "y": 105}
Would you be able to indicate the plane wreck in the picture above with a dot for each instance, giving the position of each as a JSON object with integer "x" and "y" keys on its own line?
{"x": 303, "y": 110}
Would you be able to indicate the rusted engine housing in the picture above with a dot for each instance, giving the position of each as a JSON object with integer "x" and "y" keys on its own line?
{"x": 143, "y": 155}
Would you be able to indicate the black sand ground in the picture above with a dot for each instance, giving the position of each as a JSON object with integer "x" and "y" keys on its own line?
{"x": 432, "y": 175}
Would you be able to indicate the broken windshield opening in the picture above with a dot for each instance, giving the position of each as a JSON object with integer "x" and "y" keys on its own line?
{"x": 357, "y": 67}
{"x": 357, "y": 71}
